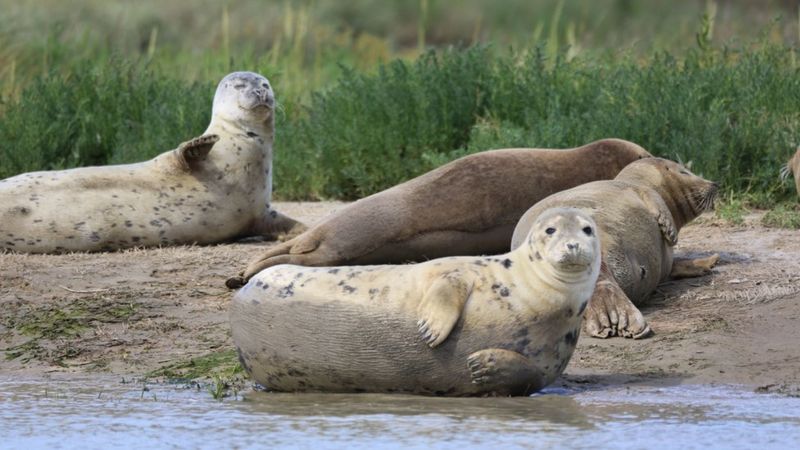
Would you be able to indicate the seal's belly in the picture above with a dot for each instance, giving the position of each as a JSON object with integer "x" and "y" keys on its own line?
{"x": 288, "y": 343}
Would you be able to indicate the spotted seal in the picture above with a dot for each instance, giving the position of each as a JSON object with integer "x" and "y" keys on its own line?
{"x": 466, "y": 207}
{"x": 212, "y": 188}
{"x": 638, "y": 215}
{"x": 504, "y": 325}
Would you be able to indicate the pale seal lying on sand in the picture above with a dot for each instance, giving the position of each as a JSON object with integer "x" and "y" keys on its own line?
{"x": 213, "y": 188}
{"x": 792, "y": 167}
{"x": 504, "y": 325}
{"x": 466, "y": 207}
{"x": 638, "y": 216}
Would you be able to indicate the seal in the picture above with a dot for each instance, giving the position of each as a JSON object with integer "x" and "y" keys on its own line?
{"x": 213, "y": 188}
{"x": 638, "y": 215}
{"x": 466, "y": 207}
{"x": 792, "y": 167}
{"x": 457, "y": 326}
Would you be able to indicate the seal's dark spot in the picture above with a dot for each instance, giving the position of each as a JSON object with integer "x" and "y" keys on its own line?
{"x": 349, "y": 289}
{"x": 506, "y": 263}
{"x": 259, "y": 283}
{"x": 128, "y": 223}
{"x": 242, "y": 360}
{"x": 286, "y": 291}
{"x": 94, "y": 237}
{"x": 571, "y": 338}
{"x": 333, "y": 271}
{"x": 155, "y": 223}
{"x": 643, "y": 272}
{"x": 538, "y": 256}
{"x": 522, "y": 332}
{"x": 136, "y": 238}
{"x": 251, "y": 134}
{"x": 569, "y": 312}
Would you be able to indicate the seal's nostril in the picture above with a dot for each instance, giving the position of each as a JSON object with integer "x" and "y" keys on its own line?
{"x": 572, "y": 246}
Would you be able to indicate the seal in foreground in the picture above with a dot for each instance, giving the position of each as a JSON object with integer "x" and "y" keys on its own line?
{"x": 638, "y": 215}
{"x": 504, "y": 325}
{"x": 213, "y": 188}
{"x": 466, "y": 207}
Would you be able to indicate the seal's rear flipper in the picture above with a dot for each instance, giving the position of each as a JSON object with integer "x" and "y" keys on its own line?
{"x": 611, "y": 313}
{"x": 195, "y": 150}
{"x": 689, "y": 268}
{"x": 441, "y": 308}
{"x": 504, "y": 372}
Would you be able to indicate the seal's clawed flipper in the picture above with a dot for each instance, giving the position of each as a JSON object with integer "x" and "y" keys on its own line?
{"x": 668, "y": 229}
{"x": 611, "y": 313}
{"x": 690, "y": 268}
{"x": 195, "y": 150}
{"x": 441, "y": 308}
{"x": 504, "y": 372}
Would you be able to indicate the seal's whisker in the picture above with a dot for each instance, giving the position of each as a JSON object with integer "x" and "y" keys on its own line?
{"x": 785, "y": 171}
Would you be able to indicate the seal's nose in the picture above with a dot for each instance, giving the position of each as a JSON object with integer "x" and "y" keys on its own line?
{"x": 573, "y": 246}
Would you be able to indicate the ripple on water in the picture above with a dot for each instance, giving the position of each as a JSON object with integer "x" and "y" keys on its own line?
{"x": 104, "y": 413}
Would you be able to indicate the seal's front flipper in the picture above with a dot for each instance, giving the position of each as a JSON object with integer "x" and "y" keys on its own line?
{"x": 668, "y": 229}
{"x": 611, "y": 313}
{"x": 690, "y": 268}
{"x": 195, "y": 150}
{"x": 504, "y": 372}
{"x": 441, "y": 308}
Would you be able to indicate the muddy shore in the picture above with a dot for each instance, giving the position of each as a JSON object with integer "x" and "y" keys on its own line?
{"x": 162, "y": 313}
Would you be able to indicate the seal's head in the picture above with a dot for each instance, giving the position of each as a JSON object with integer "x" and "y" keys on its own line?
{"x": 565, "y": 239}
{"x": 686, "y": 194}
{"x": 792, "y": 166}
{"x": 245, "y": 99}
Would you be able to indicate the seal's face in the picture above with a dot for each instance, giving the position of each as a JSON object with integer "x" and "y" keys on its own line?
{"x": 566, "y": 238}
{"x": 686, "y": 194}
{"x": 244, "y": 98}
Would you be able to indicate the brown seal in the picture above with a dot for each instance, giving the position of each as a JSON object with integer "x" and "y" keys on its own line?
{"x": 792, "y": 167}
{"x": 466, "y": 207}
{"x": 213, "y": 188}
{"x": 504, "y": 325}
{"x": 638, "y": 216}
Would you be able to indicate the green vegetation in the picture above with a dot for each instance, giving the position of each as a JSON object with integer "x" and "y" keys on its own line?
{"x": 362, "y": 109}
{"x": 782, "y": 215}
{"x": 52, "y": 328}
{"x": 222, "y": 374}
{"x": 731, "y": 210}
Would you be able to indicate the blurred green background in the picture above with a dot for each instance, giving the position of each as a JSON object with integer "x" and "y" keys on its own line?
{"x": 374, "y": 92}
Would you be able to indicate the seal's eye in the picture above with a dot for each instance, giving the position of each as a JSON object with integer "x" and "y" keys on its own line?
{"x": 550, "y": 230}
{"x": 587, "y": 231}
{"x": 239, "y": 87}
{"x": 265, "y": 86}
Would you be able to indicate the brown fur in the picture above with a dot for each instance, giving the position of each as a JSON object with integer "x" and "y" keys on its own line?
{"x": 638, "y": 215}
{"x": 466, "y": 207}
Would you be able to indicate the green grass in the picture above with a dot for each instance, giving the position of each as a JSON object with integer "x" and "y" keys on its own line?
{"x": 732, "y": 210}
{"x": 349, "y": 126}
{"x": 783, "y": 215}
{"x": 730, "y": 115}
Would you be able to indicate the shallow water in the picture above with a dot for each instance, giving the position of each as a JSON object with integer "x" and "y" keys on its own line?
{"x": 105, "y": 413}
